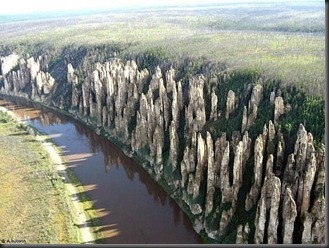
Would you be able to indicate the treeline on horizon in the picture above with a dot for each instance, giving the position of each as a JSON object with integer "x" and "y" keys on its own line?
{"x": 285, "y": 40}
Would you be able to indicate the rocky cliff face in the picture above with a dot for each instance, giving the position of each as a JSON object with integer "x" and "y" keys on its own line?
{"x": 218, "y": 176}
{"x": 7, "y": 63}
{"x": 28, "y": 81}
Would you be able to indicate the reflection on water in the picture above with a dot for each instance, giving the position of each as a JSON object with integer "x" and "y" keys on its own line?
{"x": 29, "y": 111}
{"x": 131, "y": 206}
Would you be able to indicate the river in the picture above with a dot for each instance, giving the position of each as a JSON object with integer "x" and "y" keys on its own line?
{"x": 132, "y": 208}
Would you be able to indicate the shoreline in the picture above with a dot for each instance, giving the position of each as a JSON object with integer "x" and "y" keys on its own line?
{"x": 76, "y": 210}
{"x": 138, "y": 159}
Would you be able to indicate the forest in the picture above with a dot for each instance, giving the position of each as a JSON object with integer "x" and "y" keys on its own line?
{"x": 233, "y": 98}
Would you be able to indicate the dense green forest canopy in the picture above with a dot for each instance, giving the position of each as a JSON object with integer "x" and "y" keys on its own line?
{"x": 278, "y": 46}
{"x": 283, "y": 39}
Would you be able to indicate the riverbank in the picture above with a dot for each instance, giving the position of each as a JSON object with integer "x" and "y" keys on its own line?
{"x": 52, "y": 213}
{"x": 141, "y": 161}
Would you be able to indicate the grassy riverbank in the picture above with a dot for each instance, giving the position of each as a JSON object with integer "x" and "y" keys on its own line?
{"x": 35, "y": 206}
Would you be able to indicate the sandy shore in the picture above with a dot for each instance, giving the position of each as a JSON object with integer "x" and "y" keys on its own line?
{"x": 77, "y": 211}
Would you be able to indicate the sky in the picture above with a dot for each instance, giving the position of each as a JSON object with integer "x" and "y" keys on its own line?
{"x": 8, "y": 7}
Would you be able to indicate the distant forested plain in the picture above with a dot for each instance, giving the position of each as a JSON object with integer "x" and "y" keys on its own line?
{"x": 237, "y": 47}
{"x": 283, "y": 40}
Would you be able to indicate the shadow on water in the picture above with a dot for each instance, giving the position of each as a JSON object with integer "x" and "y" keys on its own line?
{"x": 131, "y": 207}
{"x": 115, "y": 158}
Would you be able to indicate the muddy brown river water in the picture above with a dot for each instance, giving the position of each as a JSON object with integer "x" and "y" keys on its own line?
{"x": 132, "y": 208}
